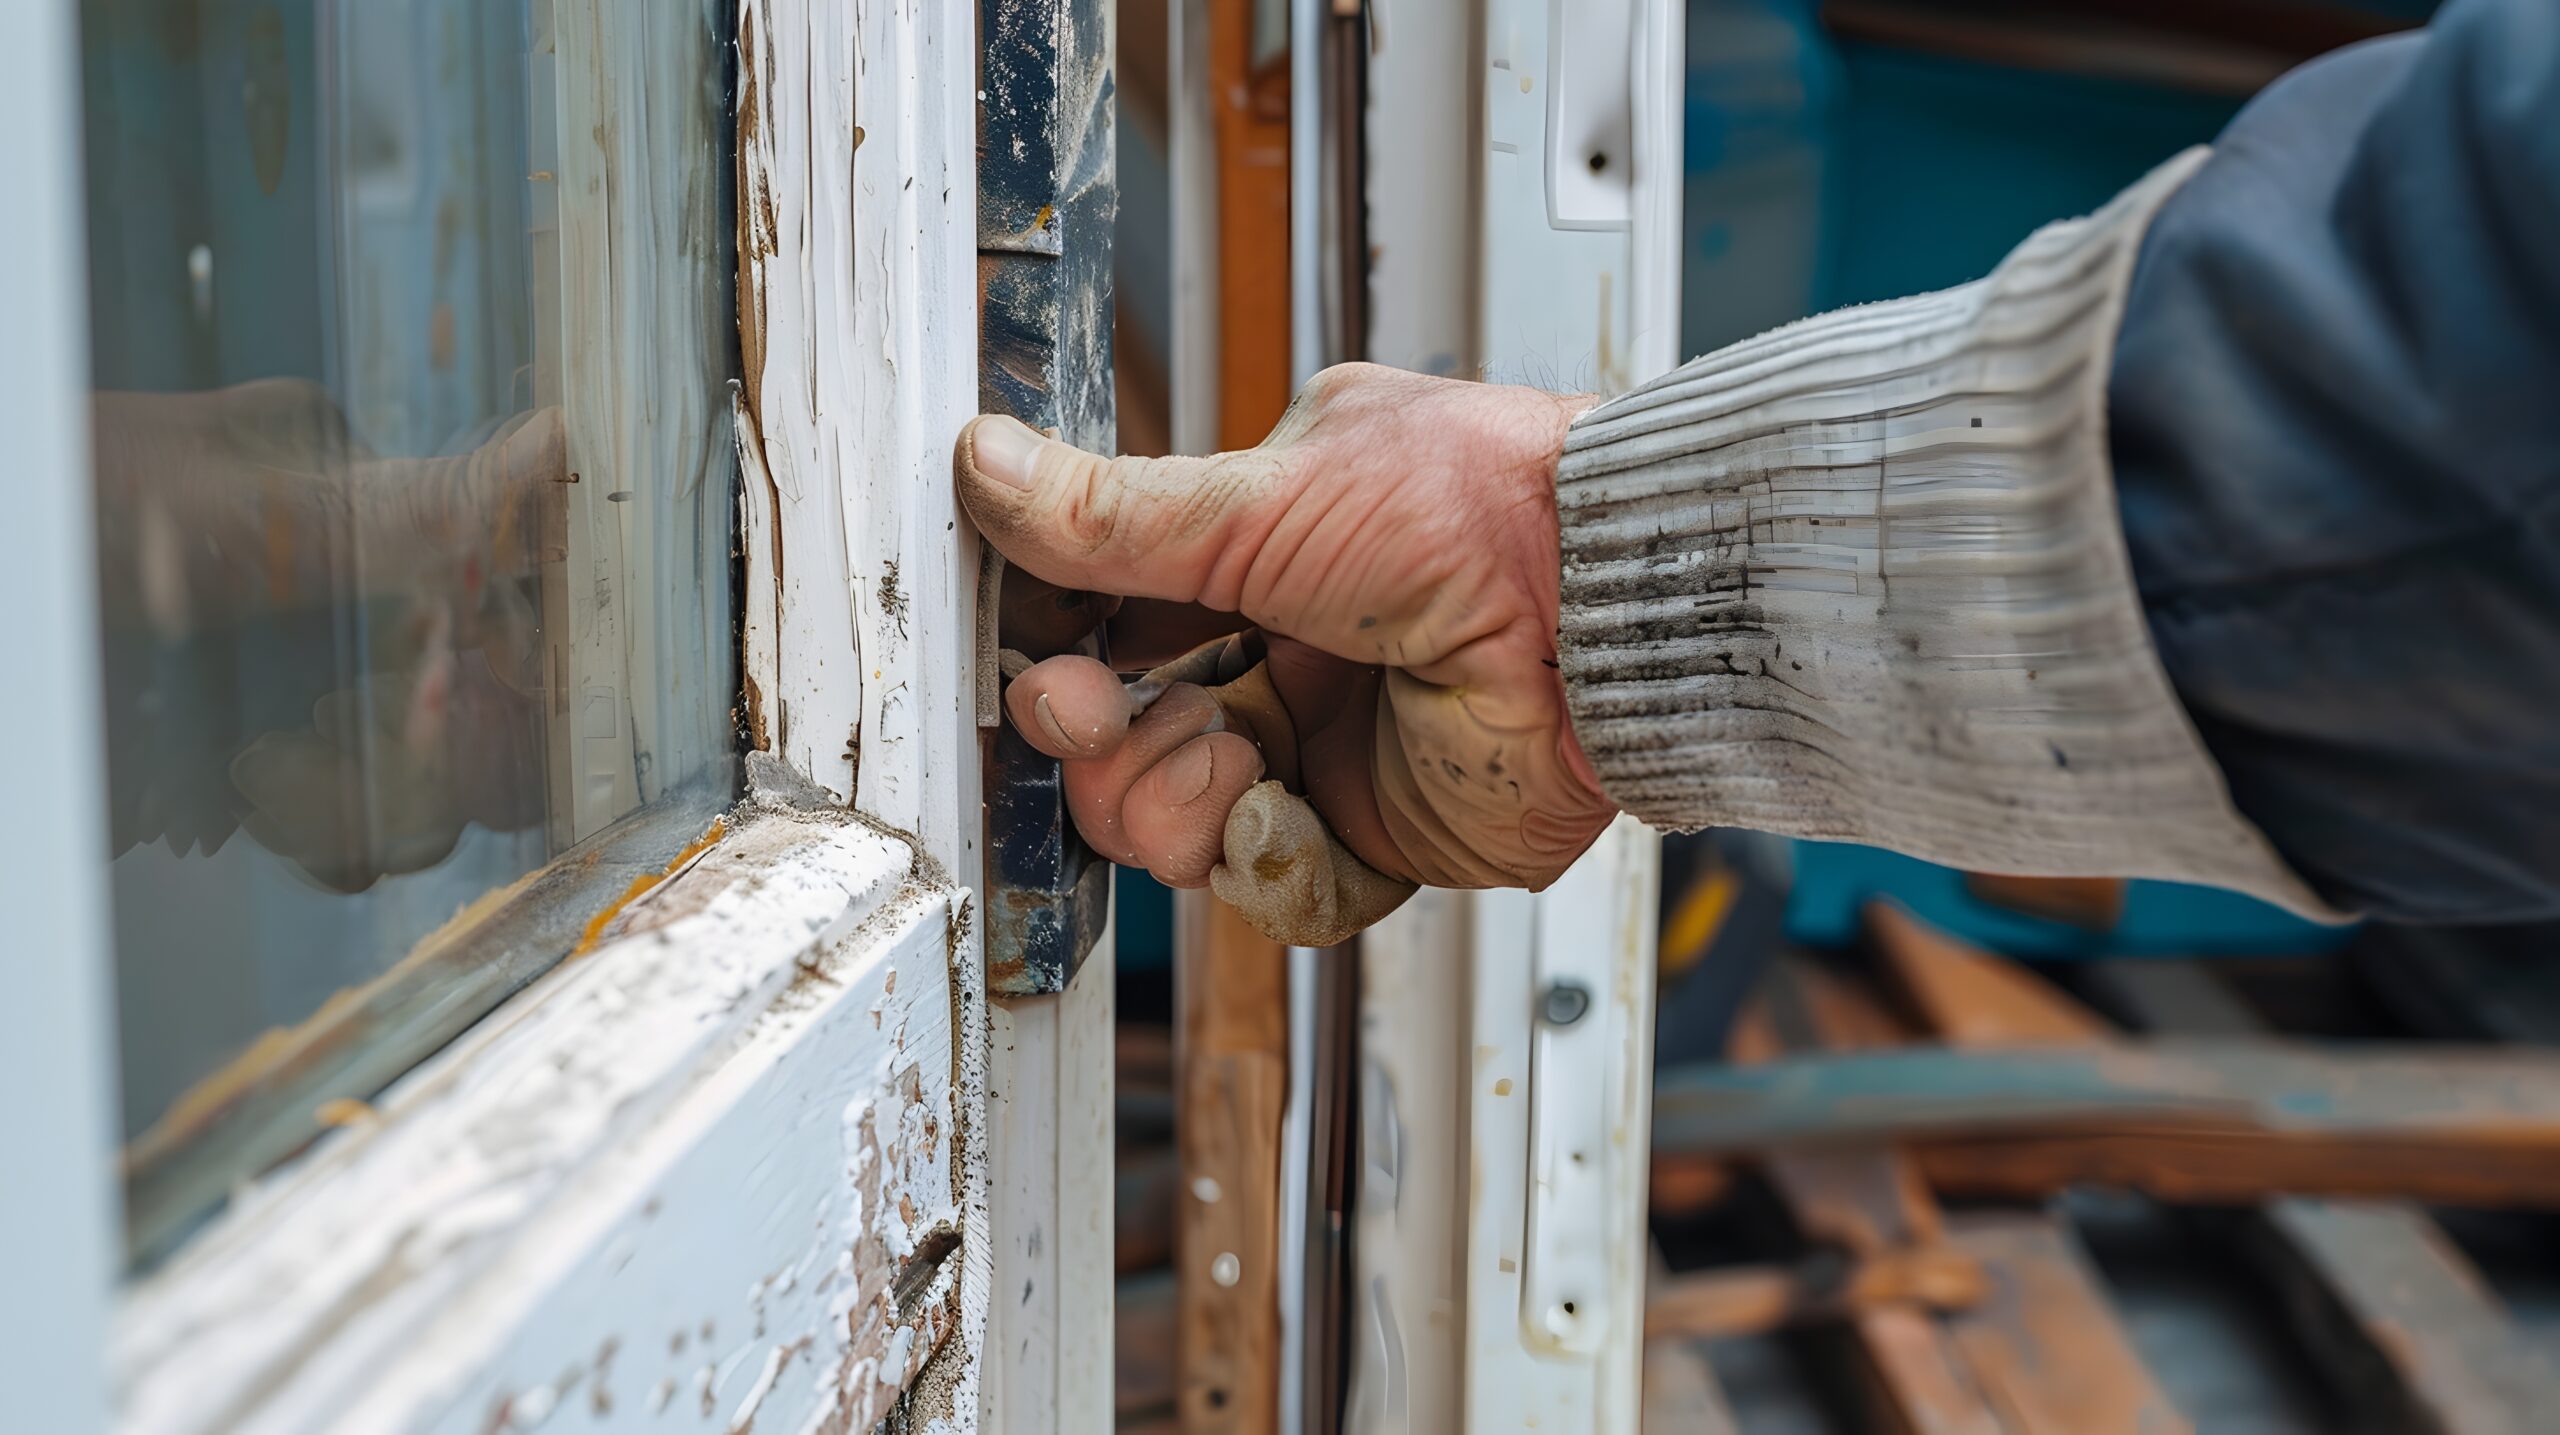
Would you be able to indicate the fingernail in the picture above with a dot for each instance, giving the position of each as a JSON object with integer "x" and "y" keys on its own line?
{"x": 1050, "y": 725}
{"x": 1186, "y": 774}
{"x": 1002, "y": 449}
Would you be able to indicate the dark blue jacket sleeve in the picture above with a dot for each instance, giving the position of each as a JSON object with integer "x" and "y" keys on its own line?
{"x": 2335, "y": 416}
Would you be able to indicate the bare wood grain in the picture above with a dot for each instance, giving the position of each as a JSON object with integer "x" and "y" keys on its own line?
{"x": 2038, "y": 1348}
{"x": 1232, "y": 1074}
{"x": 2375, "y": 1288}
{"x": 1866, "y": 1201}
{"x": 2390, "y": 1305}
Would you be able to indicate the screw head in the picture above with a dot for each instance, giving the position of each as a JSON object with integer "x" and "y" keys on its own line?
{"x": 1563, "y": 1003}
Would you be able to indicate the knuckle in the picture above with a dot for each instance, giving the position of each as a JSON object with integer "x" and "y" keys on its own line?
{"x": 1087, "y": 496}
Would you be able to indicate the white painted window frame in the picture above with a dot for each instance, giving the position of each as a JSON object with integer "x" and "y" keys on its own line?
{"x": 58, "y": 1197}
{"x": 708, "y": 1174}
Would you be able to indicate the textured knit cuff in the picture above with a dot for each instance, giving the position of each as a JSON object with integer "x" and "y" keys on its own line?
{"x": 1862, "y": 579}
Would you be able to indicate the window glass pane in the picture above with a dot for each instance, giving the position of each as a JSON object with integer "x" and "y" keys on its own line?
{"x": 412, "y": 339}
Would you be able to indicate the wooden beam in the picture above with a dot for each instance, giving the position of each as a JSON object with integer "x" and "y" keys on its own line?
{"x": 2384, "y": 1299}
{"x": 2375, "y": 1289}
{"x": 2474, "y": 1125}
{"x": 1967, "y": 996}
{"x": 1756, "y": 1300}
{"x": 2044, "y": 1352}
{"x": 1865, "y": 1202}
{"x": 2092, "y": 903}
{"x": 2043, "y": 1344}
{"x": 2042, "y": 1340}
{"x": 1232, "y": 1073}
{"x": 2242, "y": 1168}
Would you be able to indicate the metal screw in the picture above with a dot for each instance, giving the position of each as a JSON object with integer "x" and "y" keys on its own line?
{"x": 1564, "y": 1003}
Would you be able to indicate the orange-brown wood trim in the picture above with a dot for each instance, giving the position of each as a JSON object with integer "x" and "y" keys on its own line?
{"x": 1231, "y": 1085}
{"x": 1250, "y": 109}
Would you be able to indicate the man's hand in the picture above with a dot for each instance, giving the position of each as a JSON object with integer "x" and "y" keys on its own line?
{"x": 1394, "y": 541}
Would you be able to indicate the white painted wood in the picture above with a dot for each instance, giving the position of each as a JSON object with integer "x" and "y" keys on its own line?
{"x": 914, "y": 561}
{"x": 859, "y": 319}
{"x": 1463, "y": 1321}
{"x": 1421, "y": 179}
{"x": 1556, "y": 1262}
{"x": 1415, "y": 1089}
{"x": 1049, "y": 1327}
{"x": 1477, "y": 1226}
{"x": 595, "y": 628}
{"x": 1087, "y": 1114}
{"x": 643, "y": 349}
{"x": 704, "y": 1149}
{"x": 1559, "y": 302}
{"x": 1659, "y": 94}
{"x": 1297, "y": 1168}
{"x": 58, "y": 1209}
{"x": 795, "y": 322}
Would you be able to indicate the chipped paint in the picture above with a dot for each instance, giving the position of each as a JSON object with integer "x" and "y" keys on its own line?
{"x": 476, "y": 1156}
{"x": 743, "y": 1419}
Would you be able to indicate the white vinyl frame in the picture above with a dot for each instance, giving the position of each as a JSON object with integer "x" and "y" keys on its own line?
{"x": 1500, "y": 1236}
{"x": 731, "y": 1167}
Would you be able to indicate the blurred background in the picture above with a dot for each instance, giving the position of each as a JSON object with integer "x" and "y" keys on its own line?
{"x": 1840, "y": 152}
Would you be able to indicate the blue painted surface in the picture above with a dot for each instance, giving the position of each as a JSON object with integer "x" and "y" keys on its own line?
{"x": 1834, "y": 879}
{"x": 1142, "y": 916}
{"x": 1943, "y": 165}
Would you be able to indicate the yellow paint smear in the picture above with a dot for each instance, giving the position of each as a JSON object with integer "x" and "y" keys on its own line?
{"x": 344, "y": 1111}
{"x": 642, "y": 886}
{"x": 1694, "y": 924}
{"x": 278, "y": 1046}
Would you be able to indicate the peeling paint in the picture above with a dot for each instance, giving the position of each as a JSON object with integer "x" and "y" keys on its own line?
{"x": 478, "y": 1146}
{"x": 743, "y": 1419}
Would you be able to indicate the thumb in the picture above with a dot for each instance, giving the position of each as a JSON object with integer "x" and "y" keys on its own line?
{"x": 1170, "y": 528}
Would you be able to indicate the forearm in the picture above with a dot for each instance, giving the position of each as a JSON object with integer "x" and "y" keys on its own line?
{"x": 2260, "y": 535}
{"x": 1862, "y": 578}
